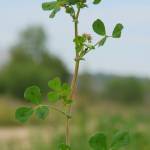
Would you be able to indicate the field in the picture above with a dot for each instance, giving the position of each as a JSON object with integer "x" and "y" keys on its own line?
{"x": 98, "y": 116}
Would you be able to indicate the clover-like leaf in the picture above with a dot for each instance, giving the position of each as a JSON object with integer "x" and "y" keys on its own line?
{"x": 55, "y": 84}
{"x": 53, "y": 96}
{"x": 23, "y": 114}
{"x": 117, "y": 31}
{"x": 49, "y": 5}
{"x": 120, "y": 139}
{"x": 97, "y": 1}
{"x": 64, "y": 147}
{"x": 33, "y": 94}
{"x": 98, "y": 142}
{"x": 42, "y": 112}
{"x": 99, "y": 27}
{"x": 102, "y": 41}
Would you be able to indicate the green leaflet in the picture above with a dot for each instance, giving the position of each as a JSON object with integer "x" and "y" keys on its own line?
{"x": 102, "y": 41}
{"x": 98, "y": 142}
{"x": 42, "y": 112}
{"x": 23, "y": 114}
{"x": 73, "y": 2}
{"x": 97, "y": 1}
{"x": 33, "y": 95}
{"x": 65, "y": 90}
{"x": 117, "y": 31}
{"x": 53, "y": 6}
{"x": 49, "y": 5}
{"x": 54, "y": 12}
{"x": 68, "y": 101}
{"x": 99, "y": 27}
{"x": 64, "y": 147}
{"x": 120, "y": 139}
{"x": 59, "y": 91}
{"x": 55, "y": 84}
{"x": 53, "y": 96}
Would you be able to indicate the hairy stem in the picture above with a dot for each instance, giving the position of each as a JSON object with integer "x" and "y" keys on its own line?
{"x": 74, "y": 80}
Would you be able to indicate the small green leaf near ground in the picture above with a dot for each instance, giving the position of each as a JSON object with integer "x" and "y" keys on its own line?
{"x": 98, "y": 142}
{"x": 64, "y": 147}
{"x": 120, "y": 139}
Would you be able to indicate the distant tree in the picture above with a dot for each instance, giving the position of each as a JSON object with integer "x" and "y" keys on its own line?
{"x": 129, "y": 90}
{"x": 86, "y": 86}
{"x": 30, "y": 63}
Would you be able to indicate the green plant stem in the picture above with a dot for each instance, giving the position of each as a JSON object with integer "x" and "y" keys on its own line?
{"x": 73, "y": 85}
{"x": 56, "y": 109}
{"x": 74, "y": 80}
{"x": 60, "y": 111}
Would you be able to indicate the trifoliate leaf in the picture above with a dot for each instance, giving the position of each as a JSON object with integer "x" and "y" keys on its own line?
{"x": 98, "y": 142}
{"x": 117, "y": 31}
{"x": 97, "y": 1}
{"x": 23, "y": 114}
{"x": 120, "y": 139}
{"x": 99, "y": 27}
{"x": 53, "y": 96}
{"x": 55, "y": 84}
{"x": 64, "y": 147}
{"x": 42, "y": 112}
{"x": 33, "y": 94}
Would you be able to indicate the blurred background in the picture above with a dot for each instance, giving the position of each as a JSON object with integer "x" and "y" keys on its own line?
{"x": 114, "y": 81}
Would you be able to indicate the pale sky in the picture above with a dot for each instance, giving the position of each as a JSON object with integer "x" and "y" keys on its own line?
{"x": 129, "y": 55}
